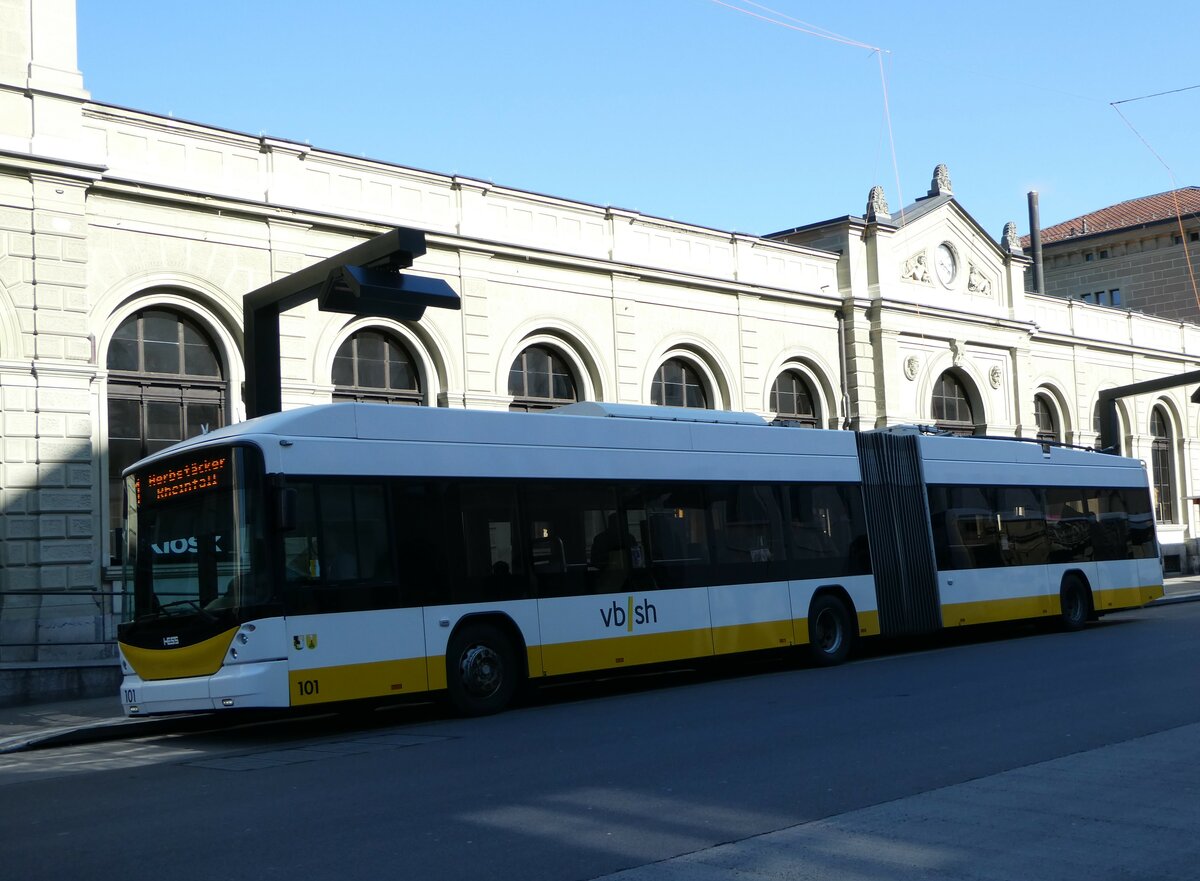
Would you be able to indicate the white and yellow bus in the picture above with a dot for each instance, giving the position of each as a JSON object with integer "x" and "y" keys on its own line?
{"x": 351, "y": 551}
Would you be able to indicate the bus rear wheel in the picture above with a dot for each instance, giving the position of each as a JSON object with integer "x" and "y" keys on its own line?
{"x": 830, "y": 634}
{"x": 481, "y": 670}
{"x": 1074, "y": 604}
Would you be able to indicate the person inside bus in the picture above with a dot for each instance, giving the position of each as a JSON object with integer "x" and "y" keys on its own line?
{"x": 609, "y": 563}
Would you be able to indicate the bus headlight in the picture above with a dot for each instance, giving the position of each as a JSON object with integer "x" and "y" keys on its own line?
{"x": 233, "y": 654}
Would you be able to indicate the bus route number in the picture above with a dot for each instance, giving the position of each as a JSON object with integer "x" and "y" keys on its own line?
{"x": 308, "y": 687}
{"x": 130, "y": 696}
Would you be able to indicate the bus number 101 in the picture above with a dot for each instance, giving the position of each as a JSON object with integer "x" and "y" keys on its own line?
{"x": 308, "y": 687}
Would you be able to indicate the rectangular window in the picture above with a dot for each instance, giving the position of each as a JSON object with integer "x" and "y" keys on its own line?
{"x": 1104, "y": 254}
{"x": 338, "y": 557}
{"x": 492, "y": 562}
{"x": 576, "y": 542}
{"x": 1022, "y": 526}
{"x": 966, "y": 527}
{"x": 1114, "y": 297}
{"x": 827, "y": 532}
{"x": 1068, "y": 525}
{"x": 1088, "y": 257}
{"x": 669, "y": 525}
{"x": 747, "y": 532}
{"x": 1086, "y": 296}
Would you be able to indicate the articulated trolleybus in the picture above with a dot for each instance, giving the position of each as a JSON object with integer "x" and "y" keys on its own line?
{"x": 350, "y": 551}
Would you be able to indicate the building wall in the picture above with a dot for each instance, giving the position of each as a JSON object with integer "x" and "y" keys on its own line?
{"x": 1150, "y": 266}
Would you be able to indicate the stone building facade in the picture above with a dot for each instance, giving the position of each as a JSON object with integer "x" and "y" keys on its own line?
{"x": 1143, "y": 254}
{"x": 127, "y": 241}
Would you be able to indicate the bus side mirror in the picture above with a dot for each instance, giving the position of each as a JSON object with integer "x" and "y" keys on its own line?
{"x": 287, "y": 508}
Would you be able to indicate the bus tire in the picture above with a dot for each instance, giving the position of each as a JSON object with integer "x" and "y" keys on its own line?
{"x": 1074, "y": 604}
{"x": 481, "y": 670}
{"x": 830, "y": 630}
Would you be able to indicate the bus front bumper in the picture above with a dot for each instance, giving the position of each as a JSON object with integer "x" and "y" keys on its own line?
{"x": 260, "y": 684}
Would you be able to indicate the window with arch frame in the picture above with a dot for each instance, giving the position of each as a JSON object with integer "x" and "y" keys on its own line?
{"x": 1045, "y": 417}
{"x": 165, "y": 383}
{"x": 792, "y": 400}
{"x": 951, "y": 408}
{"x": 678, "y": 384}
{"x": 374, "y": 366}
{"x": 1162, "y": 470}
{"x": 540, "y": 379}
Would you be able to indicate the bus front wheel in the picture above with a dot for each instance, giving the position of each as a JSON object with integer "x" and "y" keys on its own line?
{"x": 481, "y": 670}
{"x": 1075, "y": 605}
{"x": 830, "y": 631}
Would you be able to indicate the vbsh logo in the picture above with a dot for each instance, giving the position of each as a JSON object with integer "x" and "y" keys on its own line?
{"x": 617, "y": 616}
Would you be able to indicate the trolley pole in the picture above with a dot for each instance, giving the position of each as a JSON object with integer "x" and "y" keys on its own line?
{"x": 363, "y": 280}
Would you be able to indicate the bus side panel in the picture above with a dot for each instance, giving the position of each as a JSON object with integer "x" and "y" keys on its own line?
{"x": 1125, "y": 584}
{"x": 624, "y": 630}
{"x": 980, "y": 596}
{"x": 523, "y": 613}
{"x": 749, "y": 617}
{"x": 353, "y": 655}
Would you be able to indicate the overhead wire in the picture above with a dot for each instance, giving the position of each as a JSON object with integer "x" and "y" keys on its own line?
{"x": 1187, "y": 256}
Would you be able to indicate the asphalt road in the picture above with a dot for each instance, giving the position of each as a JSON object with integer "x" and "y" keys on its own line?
{"x": 594, "y": 779}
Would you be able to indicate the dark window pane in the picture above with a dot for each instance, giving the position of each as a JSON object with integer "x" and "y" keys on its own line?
{"x": 401, "y": 375}
{"x": 124, "y": 419}
{"x": 163, "y": 421}
{"x": 160, "y": 327}
{"x": 161, "y": 357}
{"x": 123, "y": 351}
{"x": 202, "y": 418}
{"x": 370, "y": 372}
{"x": 343, "y": 368}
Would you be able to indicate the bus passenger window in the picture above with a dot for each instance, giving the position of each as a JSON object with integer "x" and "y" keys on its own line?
{"x": 571, "y": 549}
{"x": 1022, "y": 526}
{"x": 494, "y": 567}
{"x": 1068, "y": 525}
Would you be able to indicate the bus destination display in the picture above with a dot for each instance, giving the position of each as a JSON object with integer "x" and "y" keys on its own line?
{"x": 181, "y": 479}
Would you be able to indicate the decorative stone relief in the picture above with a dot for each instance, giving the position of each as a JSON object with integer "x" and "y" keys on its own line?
{"x": 977, "y": 282}
{"x": 911, "y": 365}
{"x": 995, "y": 375}
{"x": 1010, "y": 241}
{"x": 877, "y": 206}
{"x": 957, "y": 348}
{"x": 916, "y": 268}
{"x": 940, "y": 185}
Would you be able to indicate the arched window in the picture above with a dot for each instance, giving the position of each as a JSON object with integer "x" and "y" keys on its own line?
{"x": 1160, "y": 463}
{"x": 540, "y": 379}
{"x": 375, "y": 367}
{"x": 677, "y": 384}
{"x": 792, "y": 400}
{"x": 165, "y": 383}
{"x": 1045, "y": 416}
{"x": 951, "y": 408}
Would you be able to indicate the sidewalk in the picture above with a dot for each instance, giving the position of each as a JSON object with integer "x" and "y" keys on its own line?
{"x": 101, "y": 718}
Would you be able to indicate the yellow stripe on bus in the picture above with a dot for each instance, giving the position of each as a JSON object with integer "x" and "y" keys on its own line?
{"x": 353, "y": 681}
{"x": 751, "y": 637}
{"x": 1126, "y": 597}
{"x": 202, "y": 659}
{"x": 626, "y": 651}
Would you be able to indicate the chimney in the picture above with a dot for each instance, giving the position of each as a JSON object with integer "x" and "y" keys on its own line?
{"x": 1035, "y": 243}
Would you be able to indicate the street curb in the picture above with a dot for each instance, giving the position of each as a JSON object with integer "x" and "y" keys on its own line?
{"x": 94, "y": 732}
{"x": 1172, "y": 600}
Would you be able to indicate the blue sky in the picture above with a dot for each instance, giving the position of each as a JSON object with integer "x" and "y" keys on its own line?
{"x": 689, "y": 109}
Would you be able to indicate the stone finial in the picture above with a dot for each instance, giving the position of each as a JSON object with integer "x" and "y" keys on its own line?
{"x": 940, "y": 186}
{"x": 877, "y": 206}
{"x": 1010, "y": 241}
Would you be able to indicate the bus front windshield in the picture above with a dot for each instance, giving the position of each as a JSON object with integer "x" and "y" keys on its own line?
{"x": 194, "y": 536}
